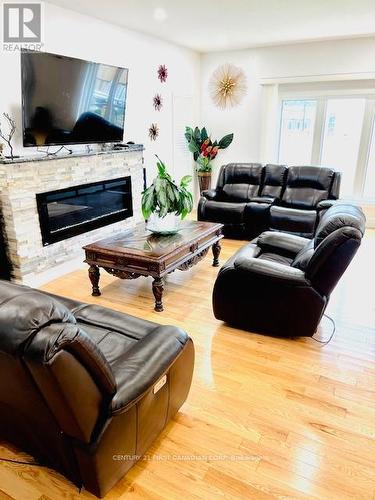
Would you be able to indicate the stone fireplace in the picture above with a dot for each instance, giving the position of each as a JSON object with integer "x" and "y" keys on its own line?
{"x": 51, "y": 207}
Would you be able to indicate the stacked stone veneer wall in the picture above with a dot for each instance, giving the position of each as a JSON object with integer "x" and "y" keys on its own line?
{"x": 19, "y": 183}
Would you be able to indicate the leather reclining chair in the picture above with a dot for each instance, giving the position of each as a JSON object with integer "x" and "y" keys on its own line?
{"x": 82, "y": 386}
{"x": 250, "y": 198}
{"x": 280, "y": 284}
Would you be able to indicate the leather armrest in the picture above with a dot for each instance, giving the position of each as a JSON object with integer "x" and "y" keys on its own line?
{"x": 73, "y": 376}
{"x": 210, "y": 194}
{"x": 263, "y": 199}
{"x": 326, "y": 204}
{"x": 144, "y": 364}
{"x": 272, "y": 270}
{"x": 70, "y": 337}
{"x": 276, "y": 241}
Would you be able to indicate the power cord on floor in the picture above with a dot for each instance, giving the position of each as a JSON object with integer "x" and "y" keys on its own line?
{"x": 325, "y": 342}
{"x": 21, "y": 462}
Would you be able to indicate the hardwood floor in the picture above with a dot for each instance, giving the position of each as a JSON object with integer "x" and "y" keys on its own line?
{"x": 266, "y": 417}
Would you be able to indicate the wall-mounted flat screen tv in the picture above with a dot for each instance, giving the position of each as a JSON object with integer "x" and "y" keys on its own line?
{"x": 71, "y": 101}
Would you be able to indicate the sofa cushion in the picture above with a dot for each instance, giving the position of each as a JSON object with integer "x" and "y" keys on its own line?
{"x": 113, "y": 332}
{"x": 225, "y": 212}
{"x": 273, "y": 180}
{"x": 241, "y": 181}
{"x": 242, "y": 173}
{"x": 338, "y": 216}
{"x": 307, "y": 186}
{"x": 275, "y": 257}
{"x": 263, "y": 199}
{"x": 293, "y": 220}
{"x": 110, "y": 330}
{"x": 256, "y": 217}
{"x": 240, "y": 192}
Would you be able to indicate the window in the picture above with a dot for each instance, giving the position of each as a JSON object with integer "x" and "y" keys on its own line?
{"x": 297, "y": 131}
{"x": 104, "y": 93}
{"x": 341, "y": 138}
{"x": 335, "y": 132}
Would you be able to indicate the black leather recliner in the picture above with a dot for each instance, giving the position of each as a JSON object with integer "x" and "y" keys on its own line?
{"x": 250, "y": 198}
{"x": 84, "y": 389}
{"x": 280, "y": 284}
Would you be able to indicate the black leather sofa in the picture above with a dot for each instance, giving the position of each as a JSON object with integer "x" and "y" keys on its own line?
{"x": 85, "y": 389}
{"x": 280, "y": 283}
{"x": 251, "y": 198}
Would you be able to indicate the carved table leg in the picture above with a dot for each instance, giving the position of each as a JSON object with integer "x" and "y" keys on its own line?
{"x": 94, "y": 275}
{"x": 216, "y": 249}
{"x": 158, "y": 288}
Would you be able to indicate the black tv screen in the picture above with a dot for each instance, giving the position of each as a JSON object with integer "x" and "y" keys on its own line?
{"x": 71, "y": 101}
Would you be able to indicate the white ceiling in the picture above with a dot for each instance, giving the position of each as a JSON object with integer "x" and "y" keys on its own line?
{"x": 212, "y": 25}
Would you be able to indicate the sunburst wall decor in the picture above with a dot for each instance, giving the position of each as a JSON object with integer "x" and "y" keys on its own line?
{"x": 227, "y": 86}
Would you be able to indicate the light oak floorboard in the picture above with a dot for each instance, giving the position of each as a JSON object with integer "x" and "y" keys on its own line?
{"x": 291, "y": 418}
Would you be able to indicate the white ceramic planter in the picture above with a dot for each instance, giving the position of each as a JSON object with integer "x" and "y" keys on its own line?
{"x": 168, "y": 224}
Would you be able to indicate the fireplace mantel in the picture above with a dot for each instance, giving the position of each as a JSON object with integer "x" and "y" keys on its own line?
{"x": 44, "y": 156}
{"x": 22, "y": 180}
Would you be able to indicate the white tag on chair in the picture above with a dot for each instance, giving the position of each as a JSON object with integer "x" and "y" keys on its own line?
{"x": 160, "y": 384}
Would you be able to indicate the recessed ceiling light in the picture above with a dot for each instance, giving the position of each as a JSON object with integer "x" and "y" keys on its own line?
{"x": 160, "y": 14}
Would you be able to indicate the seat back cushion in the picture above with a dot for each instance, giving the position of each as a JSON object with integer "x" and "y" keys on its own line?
{"x": 292, "y": 220}
{"x": 273, "y": 180}
{"x": 307, "y": 186}
{"x": 241, "y": 181}
{"x": 336, "y": 241}
{"x": 339, "y": 216}
{"x": 23, "y": 313}
{"x": 331, "y": 258}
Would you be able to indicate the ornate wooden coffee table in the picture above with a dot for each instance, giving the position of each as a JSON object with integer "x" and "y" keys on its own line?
{"x": 138, "y": 252}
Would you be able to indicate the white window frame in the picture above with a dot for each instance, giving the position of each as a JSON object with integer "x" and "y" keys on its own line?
{"x": 322, "y": 97}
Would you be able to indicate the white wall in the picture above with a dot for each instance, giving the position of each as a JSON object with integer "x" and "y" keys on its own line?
{"x": 309, "y": 61}
{"x": 69, "y": 33}
{"x": 72, "y": 34}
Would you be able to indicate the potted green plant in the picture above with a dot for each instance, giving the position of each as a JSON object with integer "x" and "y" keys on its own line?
{"x": 205, "y": 151}
{"x": 164, "y": 203}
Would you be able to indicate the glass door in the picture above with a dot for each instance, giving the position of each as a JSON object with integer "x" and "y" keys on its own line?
{"x": 332, "y": 131}
{"x": 297, "y": 131}
{"x": 342, "y": 138}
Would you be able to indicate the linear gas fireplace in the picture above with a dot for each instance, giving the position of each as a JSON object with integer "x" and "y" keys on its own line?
{"x": 67, "y": 212}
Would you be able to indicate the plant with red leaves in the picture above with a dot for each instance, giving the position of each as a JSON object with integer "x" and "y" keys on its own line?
{"x": 203, "y": 148}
